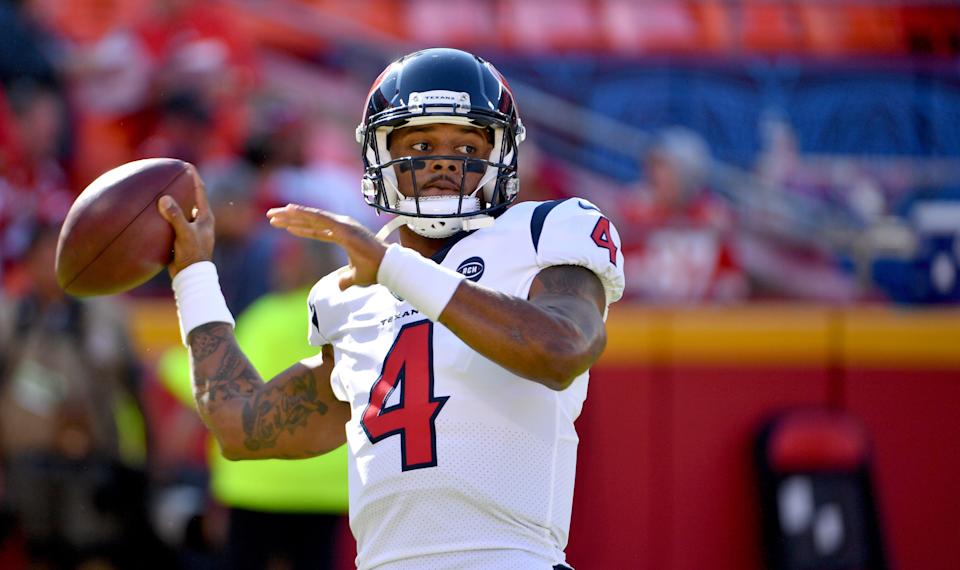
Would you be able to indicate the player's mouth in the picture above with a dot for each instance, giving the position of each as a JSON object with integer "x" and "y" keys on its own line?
{"x": 440, "y": 186}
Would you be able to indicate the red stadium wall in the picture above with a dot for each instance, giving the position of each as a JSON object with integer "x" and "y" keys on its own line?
{"x": 665, "y": 474}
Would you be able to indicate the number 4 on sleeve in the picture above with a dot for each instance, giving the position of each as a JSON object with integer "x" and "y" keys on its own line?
{"x": 602, "y": 237}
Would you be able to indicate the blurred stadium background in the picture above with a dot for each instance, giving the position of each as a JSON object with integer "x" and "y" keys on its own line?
{"x": 785, "y": 176}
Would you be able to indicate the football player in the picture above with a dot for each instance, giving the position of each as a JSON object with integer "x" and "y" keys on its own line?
{"x": 454, "y": 362}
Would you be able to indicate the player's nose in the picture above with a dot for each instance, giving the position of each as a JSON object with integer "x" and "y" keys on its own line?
{"x": 442, "y": 165}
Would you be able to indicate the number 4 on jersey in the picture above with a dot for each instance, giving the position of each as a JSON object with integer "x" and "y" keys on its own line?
{"x": 602, "y": 237}
{"x": 409, "y": 367}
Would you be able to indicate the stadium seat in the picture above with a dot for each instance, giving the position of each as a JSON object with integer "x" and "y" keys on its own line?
{"x": 850, "y": 29}
{"x": 716, "y": 25}
{"x": 456, "y": 23}
{"x": 769, "y": 27}
{"x": 874, "y": 28}
{"x": 381, "y": 16}
{"x": 649, "y": 27}
{"x": 826, "y": 28}
{"x": 537, "y": 26}
{"x": 932, "y": 30}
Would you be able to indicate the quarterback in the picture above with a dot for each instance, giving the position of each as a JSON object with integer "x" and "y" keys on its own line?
{"x": 454, "y": 361}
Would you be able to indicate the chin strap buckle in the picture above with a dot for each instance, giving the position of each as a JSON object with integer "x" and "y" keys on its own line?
{"x": 476, "y": 223}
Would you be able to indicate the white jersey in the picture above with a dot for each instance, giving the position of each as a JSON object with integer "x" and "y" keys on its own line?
{"x": 454, "y": 461}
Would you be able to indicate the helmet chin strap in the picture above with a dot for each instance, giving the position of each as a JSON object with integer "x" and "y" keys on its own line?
{"x": 483, "y": 221}
{"x": 389, "y": 227}
{"x": 468, "y": 224}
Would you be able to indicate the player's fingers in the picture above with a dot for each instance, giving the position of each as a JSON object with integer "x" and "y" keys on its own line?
{"x": 302, "y": 208}
{"x": 203, "y": 217}
{"x": 203, "y": 214}
{"x": 281, "y": 222}
{"x": 292, "y": 210}
{"x": 171, "y": 212}
{"x": 305, "y": 215}
{"x": 285, "y": 216}
{"x": 286, "y": 219}
{"x": 306, "y": 225}
{"x": 279, "y": 219}
{"x": 200, "y": 195}
{"x": 311, "y": 233}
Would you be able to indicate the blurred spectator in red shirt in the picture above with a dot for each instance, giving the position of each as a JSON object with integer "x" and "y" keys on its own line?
{"x": 33, "y": 185}
{"x": 677, "y": 236}
{"x": 204, "y": 47}
{"x": 182, "y": 129}
{"x": 110, "y": 81}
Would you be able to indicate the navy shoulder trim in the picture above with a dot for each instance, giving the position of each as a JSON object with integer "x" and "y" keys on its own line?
{"x": 538, "y": 217}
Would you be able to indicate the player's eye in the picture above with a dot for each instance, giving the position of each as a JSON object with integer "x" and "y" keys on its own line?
{"x": 420, "y": 147}
{"x": 467, "y": 149}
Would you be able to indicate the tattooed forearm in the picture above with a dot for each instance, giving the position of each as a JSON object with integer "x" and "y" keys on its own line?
{"x": 221, "y": 371}
{"x": 206, "y": 339}
{"x": 239, "y": 379}
{"x": 275, "y": 410}
{"x": 255, "y": 419}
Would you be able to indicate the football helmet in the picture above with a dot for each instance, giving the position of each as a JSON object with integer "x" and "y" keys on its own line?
{"x": 450, "y": 86}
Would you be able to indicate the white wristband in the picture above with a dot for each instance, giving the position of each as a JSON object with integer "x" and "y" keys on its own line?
{"x": 428, "y": 286}
{"x": 199, "y": 299}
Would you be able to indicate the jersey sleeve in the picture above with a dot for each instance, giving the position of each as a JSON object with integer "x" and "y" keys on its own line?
{"x": 575, "y": 232}
{"x": 321, "y": 306}
{"x": 326, "y": 316}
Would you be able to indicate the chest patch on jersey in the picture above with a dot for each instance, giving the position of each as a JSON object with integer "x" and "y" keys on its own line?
{"x": 472, "y": 268}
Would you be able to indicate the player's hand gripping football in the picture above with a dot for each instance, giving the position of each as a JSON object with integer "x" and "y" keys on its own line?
{"x": 194, "y": 237}
{"x": 363, "y": 248}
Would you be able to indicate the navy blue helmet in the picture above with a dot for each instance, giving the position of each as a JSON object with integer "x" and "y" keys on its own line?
{"x": 449, "y": 86}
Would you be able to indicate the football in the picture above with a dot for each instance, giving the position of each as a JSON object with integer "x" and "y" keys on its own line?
{"x": 113, "y": 238}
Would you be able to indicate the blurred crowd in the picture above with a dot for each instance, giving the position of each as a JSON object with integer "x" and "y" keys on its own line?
{"x": 100, "y": 467}
{"x": 88, "y": 474}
